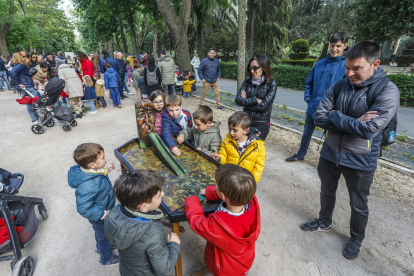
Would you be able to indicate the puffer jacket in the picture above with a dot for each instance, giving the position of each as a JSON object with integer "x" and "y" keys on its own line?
{"x": 121, "y": 68}
{"x": 130, "y": 59}
{"x": 259, "y": 113}
{"x": 195, "y": 62}
{"x": 323, "y": 75}
{"x": 171, "y": 127}
{"x": 111, "y": 78}
{"x": 349, "y": 142}
{"x": 73, "y": 85}
{"x": 87, "y": 68}
{"x": 52, "y": 70}
{"x": 40, "y": 75}
{"x": 141, "y": 243}
{"x": 129, "y": 70}
{"x": 112, "y": 61}
{"x": 253, "y": 159}
{"x": 93, "y": 193}
{"x": 209, "y": 140}
{"x": 100, "y": 88}
{"x": 20, "y": 75}
{"x": 209, "y": 69}
{"x": 167, "y": 69}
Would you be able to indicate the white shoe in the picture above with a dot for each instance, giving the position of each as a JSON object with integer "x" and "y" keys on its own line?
{"x": 93, "y": 112}
{"x": 35, "y": 122}
{"x": 130, "y": 93}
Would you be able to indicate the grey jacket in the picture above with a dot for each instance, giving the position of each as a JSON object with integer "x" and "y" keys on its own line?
{"x": 141, "y": 243}
{"x": 167, "y": 68}
{"x": 208, "y": 140}
{"x": 349, "y": 142}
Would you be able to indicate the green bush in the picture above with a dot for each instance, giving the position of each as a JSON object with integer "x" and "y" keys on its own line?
{"x": 290, "y": 76}
{"x": 404, "y": 61}
{"x": 308, "y": 62}
{"x": 406, "y": 85}
{"x": 229, "y": 70}
{"x": 300, "y": 45}
{"x": 298, "y": 56}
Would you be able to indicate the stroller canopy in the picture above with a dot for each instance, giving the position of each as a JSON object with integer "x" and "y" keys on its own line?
{"x": 53, "y": 89}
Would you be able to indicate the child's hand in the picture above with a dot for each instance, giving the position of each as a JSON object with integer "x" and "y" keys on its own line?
{"x": 173, "y": 237}
{"x": 214, "y": 155}
{"x": 198, "y": 148}
{"x": 106, "y": 214}
{"x": 110, "y": 167}
{"x": 180, "y": 139}
{"x": 176, "y": 151}
{"x": 203, "y": 192}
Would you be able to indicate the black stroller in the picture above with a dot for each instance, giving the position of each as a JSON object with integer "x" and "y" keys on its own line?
{"x": 19, "y": 221}
{"x": 63, "y": 114}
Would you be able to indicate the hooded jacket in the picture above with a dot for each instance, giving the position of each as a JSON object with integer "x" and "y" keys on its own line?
{"x": 129, "y": 70}
{"x": 20, "y": 75}
{"x": 73, "y": 85}
{"x": 227, "y": 253}
{"x": 322, "y": 76}
{"x": 111, "y": 78}
{"x": 100, "y": 88}
{"x": 195, "y": 62}
{"x": 130, "y": 59}
{"x": 87, "y": 68}
{"x": 40, "y": 75}
{"x": 209, "y": 140}
{"x": 93, "y": 193}
{"x": 259, "y": 113}
{"x": 170, "y": 127}
{"x": 167, "y": 69}
{"x": 349, "y": 142}
{"x": 209, "y": 69}
{"x": 52, "y": 70}
{"x": 253, "y": 159}
{"x": 112, "y": 61}
{"x": 141, "y": 243}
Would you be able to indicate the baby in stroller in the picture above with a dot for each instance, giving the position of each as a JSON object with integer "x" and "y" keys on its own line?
{"x": 178, "y": 81}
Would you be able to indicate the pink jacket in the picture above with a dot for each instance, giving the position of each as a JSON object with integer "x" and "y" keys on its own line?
{"x": 158, "y": 123}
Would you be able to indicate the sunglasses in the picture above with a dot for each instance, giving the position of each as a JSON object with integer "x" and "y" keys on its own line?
{"x": 158, "y": 103}
{"x": 254, "y": 68}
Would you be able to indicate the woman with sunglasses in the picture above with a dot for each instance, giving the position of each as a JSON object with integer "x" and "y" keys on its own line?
{"x": 33, "y": 60}
{"x": 257, "y": 94}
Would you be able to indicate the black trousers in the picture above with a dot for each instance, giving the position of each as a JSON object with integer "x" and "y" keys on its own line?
{"x": 264, "y": 130}
{"x": 358, "y": 184}
{"x": 121, "y": 86}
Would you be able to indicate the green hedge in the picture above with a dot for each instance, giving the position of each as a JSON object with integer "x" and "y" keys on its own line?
{"x": 300, "y": 45}
{"x": 229, "y": 70}
{"x": 307, "y": 62}
{"x": 299, "y": 56}
{"x": 406, "y": 85}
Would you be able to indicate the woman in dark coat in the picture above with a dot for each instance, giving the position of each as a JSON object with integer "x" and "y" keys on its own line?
{"x": 33, "y": 60}
{"x": 151, "y": 67}
{"x": 257, "y": 93}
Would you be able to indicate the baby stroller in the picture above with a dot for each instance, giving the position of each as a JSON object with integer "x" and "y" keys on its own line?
{"x": 18, "y": 222}
{"x": 179, "y": 81}
{"x": 47, "y": 102}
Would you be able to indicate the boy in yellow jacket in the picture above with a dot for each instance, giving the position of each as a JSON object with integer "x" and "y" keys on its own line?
{"x": 187, "y": 86}
{"x": 242, "y": 146}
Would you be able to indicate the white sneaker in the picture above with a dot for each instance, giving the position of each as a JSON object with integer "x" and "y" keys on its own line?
{"x": 35, "y": 122}
{"x": 130, "y": 93}
{"x": 93, "y": 112}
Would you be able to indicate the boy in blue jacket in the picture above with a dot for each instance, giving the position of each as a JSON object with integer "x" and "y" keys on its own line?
{"x": 111, "y": 84}
{"x": 174, "y": 119}
{"x": 94, "y": 194}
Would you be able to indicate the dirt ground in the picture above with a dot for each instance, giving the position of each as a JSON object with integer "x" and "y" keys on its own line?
{"x": 288, "y": 195}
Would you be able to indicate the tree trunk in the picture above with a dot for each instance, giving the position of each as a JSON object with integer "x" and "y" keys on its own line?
{"x": 396, "y": 45}
{"x": 200, "y": 28}
{"x": 3, "y": 44}
{"x": 242, "y": 44}
{"x": 121, "y": 29}
{"x": 132, "y": 31}
{"x": 154, "y": 48}
{"x": 4, "y": 27}
{"x": 157, "y": 32}
{"x": 178, "y": 26}
{"x": 251, "y": 16}
{"x": 118, "y": 44}
{"x": 324, "y": 51}
{"x": 100, "y": 49}
{"x": 386, "y": 51}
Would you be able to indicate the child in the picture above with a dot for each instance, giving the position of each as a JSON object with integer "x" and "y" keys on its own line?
{"x": 187, "y": 86}
{"x": 158, "y": 102}
{"x": 191, "y": 78}
{"x": 90, "y": 94}
{"x": 174, "y": 119}
{"x": 100, "y": 90}
{"x": 206, "y": 138}
{"x": 231, "y": 232}
{"x": 135, "y": 228}
{"x": 135, "y": 77}
{"x": 141, "y": 83}
{"x": 111, "y": 84}
{"x": 129, "y": 70}
{"x": 242, "y": 146}
{"x": 94, "y": 195}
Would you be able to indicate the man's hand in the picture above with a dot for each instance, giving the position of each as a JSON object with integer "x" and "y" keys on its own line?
{"x": 367, "y": 117}
{"x": 199, "y": 149}
{"x": 203, "y": 80}
{"x": 218, "y": 79}
{"x": 243, "y": 94}
{"x": 110, "y": 167}
{"x": 259, "y": 101}
{"x": 173, "y": 237}
{"x": 180, "y": 139}
{"x": 214, "y": 155}
{"x": 176, "y": 151}
{"x": 203, "y": 192}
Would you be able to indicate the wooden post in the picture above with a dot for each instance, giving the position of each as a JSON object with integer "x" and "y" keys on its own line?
{"x": 179, "y": 265}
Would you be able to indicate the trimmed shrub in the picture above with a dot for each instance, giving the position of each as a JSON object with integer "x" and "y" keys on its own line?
{"x": 408, "y": 52}
{"x": 300, "y": 45}
{"x": 406, "y": 85}
{"x": 404, "y": 61}
{"x": 229, "y": 70}
{"x": 290, "y": 76}
{"x": 297, "y": 56}
{"x": 308, "y": 62}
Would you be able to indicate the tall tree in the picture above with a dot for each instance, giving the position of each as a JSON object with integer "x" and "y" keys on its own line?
{"x": 252, "y": 6}
{"x": 121, "y": 29}
{"x": 242, "y": 44}
{"x": 177, "y": 23}
{"x": 6, "y": 18}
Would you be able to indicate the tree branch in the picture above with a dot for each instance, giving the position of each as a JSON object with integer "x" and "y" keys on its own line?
{"x": 185, "y": 13}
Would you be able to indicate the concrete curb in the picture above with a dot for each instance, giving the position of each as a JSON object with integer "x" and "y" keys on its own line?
{"x": 384, "y": 163}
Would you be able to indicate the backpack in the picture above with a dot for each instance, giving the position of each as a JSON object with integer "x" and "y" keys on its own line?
{"x": 152, "y": 77}
{"x": 388, "y": 133}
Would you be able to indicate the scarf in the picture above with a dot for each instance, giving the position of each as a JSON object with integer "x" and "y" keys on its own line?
{"x": 156, "y": 214}
{"x": 258, "y": 81}
{"x": 98, "y": 171}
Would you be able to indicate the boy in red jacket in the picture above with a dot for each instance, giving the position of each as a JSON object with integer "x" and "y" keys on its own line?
{"x": 231, "y": 232}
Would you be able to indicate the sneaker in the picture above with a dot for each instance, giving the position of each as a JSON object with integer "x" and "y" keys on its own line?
{"x": 200, "y": 106}
{"x": 115, "y": 106}
{"x": 113, "y": 249}
{"x": 351, "y": 251}
{"x": 130, "y": 93}
{"x": 113, "y": 260}
{"x": 220, "y": 107}
{"x": 119, "y": 106}
{"x": 316, "y": 226}
{"x": 125, "y": 96}
{"x": 294, "y": 158}
{"x": 35, "y": 122}
{"x": 93, "y": 112}
{"x": 102, "y": 108}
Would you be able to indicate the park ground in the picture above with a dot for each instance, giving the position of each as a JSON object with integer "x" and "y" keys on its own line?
{"x": 288, "y": 195}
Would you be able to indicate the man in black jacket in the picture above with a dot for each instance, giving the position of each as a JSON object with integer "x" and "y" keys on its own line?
{"x": 3, "y": 75}
{"x": 121, "y": 73}
{"x": 353, "y": 141}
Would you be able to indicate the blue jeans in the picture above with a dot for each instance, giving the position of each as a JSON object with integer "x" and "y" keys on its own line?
{"x": 3, "y": 75}
{"x": 115, "y": 95}
{"x": 92, "y": 105}
{"x": 307, "y": 135}
{"x": 125, "y": 86}
{"x": 103, "y": 246}
{"x": 165, "y": 88}
{"x": 33, "y": 114}
{"x": 186, "y": 94}
{"x": 196, "y": 74}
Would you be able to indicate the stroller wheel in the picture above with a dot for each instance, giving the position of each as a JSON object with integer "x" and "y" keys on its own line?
{"x": 37, "y": 129}
{"x": 67, "y": 127}
{"x": 51, "y": 123}
{"x": 24, "y": 267}
{"x": 73, "y": 123}
{"x": 43, "y": 213}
